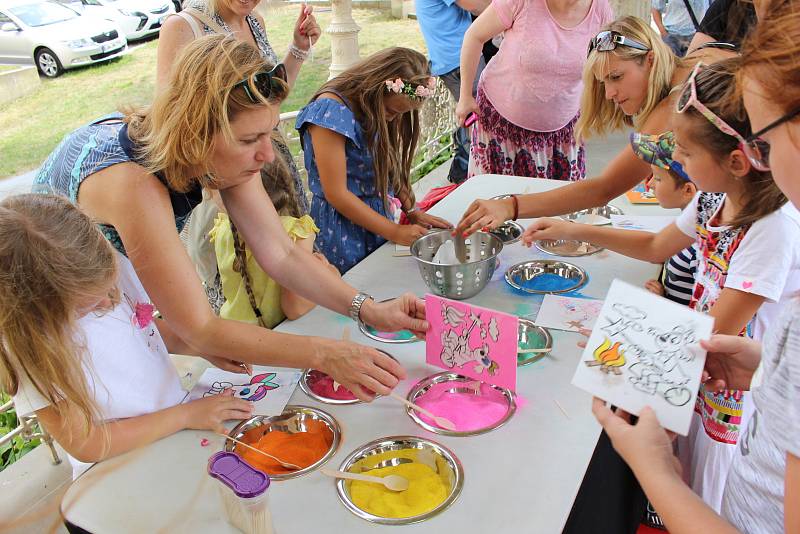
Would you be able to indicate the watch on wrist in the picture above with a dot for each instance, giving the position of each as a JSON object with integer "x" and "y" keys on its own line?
{"x": 356, "y": 304}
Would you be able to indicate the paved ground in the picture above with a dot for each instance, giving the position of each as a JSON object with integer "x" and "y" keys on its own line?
{"x": 32, "y": 487}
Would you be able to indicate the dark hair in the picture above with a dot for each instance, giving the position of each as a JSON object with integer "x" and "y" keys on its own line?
{"x": 716, "y": 87}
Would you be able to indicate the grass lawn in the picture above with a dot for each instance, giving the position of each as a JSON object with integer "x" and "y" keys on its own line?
{"x": 32, "y": 126}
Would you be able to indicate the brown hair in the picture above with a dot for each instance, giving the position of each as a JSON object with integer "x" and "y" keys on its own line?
{"x": 176, "y": 134}
{"x": 392, "y": 144}
{"x": 771, "y": 54}
{"x": 716, "y": 88}
{"x": 598, "y": 114}
{"x": 51, "y": 257}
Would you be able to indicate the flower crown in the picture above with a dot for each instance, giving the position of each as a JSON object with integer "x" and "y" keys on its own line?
{"x": 398, "y": 86}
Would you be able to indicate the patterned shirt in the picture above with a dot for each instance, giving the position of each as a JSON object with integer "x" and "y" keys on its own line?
{"x": 754, "y": 492}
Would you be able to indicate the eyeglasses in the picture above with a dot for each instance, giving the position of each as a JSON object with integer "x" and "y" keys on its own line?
{"x": 264, "y": 82}
{"x": 774, "y": 124}
{"x": 755, "y": 148}
{"x": 608, "y": 40}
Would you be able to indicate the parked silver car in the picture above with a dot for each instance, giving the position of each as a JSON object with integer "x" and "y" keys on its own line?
{"x": 137, "y": 18}
{"x": 55, "y": 37}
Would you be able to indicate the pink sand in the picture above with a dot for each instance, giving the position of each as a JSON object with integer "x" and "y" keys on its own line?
{"x": 322, "y": 385}
{"x": 467, "y": 411}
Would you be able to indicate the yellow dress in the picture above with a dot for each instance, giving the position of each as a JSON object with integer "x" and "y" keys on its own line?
{"x": 267, "y": 292}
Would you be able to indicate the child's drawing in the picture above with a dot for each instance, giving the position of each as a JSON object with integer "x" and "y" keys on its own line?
{"x": 252, "y": 390}
{"x": 268, "y": 389}
{"x": 568, "y": 313}
{"x": 476, "y": 342}
{"x": 643, "y": 351}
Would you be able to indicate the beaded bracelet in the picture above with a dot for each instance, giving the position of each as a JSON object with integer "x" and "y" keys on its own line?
{"x": 300, "y": 55}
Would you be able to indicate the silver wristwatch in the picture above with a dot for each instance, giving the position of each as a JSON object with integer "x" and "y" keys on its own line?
{"x": 355, "y": 306}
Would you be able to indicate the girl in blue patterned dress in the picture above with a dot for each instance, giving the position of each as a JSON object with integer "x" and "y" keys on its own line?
{"x": 359, "y": 134}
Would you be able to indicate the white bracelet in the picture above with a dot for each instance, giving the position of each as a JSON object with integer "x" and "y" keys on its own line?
{"x": 298, "y": 54}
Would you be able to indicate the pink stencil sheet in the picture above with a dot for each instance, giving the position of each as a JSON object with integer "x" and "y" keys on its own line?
{"x": 476, "y": 342}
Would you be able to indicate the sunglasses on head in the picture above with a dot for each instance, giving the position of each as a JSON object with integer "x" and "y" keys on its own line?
{"x": 608, "y": 40}
{"x": 756, "y": 149}
{"x": 263, "y": 81}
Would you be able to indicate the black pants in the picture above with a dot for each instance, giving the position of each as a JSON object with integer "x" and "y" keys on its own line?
{"x": 610, "y": 499}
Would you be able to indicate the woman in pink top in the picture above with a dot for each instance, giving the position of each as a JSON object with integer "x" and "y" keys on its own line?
{"x": 529, "y": 94}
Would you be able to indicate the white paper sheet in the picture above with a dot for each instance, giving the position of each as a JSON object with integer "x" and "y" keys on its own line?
{"x": 568, "y": 313}
{"x": 268, "y": 388}
{"x": 647, "y": 223}
{"x": 644, "y": 351}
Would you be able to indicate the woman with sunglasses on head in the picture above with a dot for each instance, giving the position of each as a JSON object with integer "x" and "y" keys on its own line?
{"x": 140, "y": 174}
{"x": 762, "y": 489}
{"x": 528, "y": 94}
{"x": 735, "y": 221}
{"x": 627, "y": 81}
{"x": 359, "y": 135}
{"x": 239, "y": 19}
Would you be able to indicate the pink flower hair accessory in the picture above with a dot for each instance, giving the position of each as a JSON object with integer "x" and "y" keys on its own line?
{"x": 419, "y": 92}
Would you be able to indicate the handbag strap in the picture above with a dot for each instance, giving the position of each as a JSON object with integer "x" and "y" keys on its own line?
{"x": 197, "y": 31}
{"x": 692, "y": 16}
{"x": 205, "y": 19}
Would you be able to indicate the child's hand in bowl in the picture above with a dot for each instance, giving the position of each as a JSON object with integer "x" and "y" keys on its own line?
{"x": 547, "y": 228}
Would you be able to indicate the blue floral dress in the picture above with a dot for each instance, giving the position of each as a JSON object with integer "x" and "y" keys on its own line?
{"x": 343, "y": 242}
{"x": 89, "y": 150}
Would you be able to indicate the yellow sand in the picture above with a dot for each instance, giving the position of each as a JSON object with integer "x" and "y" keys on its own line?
{"x": 426, "y": 489}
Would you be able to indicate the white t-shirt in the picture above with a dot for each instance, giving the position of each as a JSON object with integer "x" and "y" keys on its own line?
{"x": 128, "y": 369}
{"x": 763, "y": 259}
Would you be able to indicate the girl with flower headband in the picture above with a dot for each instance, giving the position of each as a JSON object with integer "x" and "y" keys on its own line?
{"x": 359, "y": 135}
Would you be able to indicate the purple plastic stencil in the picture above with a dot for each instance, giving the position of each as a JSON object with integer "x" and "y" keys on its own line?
{"x": 245, "y": 480}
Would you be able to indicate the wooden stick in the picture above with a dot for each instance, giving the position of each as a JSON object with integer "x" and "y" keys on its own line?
{"x": 529, "y": 351}
{"x": 242, "y": 443}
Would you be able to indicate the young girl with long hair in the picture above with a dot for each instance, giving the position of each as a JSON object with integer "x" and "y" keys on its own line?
{"x": 359, "y": 135}
{"x": 762, "y": 489}
{"x": 78, "y": 343}
{"x": 736, "y": 221}
{"x": 141, "y": 174}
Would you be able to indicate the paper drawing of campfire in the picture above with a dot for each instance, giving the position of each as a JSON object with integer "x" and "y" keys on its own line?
{"x": 609, "y": 357}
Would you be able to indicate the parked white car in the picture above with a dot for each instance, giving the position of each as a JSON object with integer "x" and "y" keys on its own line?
{"x": 137, "y": 18}
{"x": 55, "y": 37}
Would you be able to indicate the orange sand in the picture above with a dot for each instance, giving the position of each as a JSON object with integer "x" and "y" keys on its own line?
{"x": 301, "y": 449}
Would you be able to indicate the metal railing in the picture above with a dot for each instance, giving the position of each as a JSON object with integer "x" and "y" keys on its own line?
{"x": 437, "y": 119}
{"x": 30, "y": 429}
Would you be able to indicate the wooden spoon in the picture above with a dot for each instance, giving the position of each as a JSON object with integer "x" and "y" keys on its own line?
{"x": 391, "y": 482}
{"x": 287, "y": 465}
{"x": 443, "y": 422}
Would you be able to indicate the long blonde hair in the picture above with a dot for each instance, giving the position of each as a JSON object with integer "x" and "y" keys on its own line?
{"x": 52, "y": 256}
{"x": 598, "y": 114}
{"x": 176, "y": 134}
{"x": 392, "y": 144}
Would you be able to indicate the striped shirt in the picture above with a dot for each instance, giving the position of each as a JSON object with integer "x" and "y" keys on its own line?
{"x": 678, "y": 275}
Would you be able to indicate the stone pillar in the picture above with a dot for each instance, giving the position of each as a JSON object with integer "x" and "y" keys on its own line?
{"x": 637, "y": 8}
{"x": 344, "y": 37}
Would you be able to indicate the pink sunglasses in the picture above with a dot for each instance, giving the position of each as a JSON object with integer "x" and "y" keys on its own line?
{"x": 756, "y": 150}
